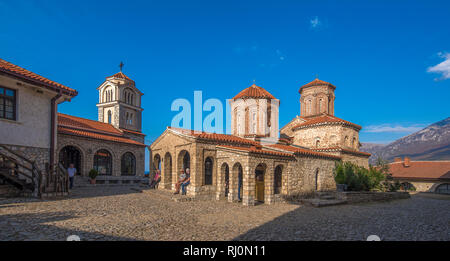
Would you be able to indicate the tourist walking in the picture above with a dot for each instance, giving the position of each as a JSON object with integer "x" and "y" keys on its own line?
{"x": 71, "y": 171}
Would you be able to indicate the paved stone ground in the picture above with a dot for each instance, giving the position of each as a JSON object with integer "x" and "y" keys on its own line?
{"x": 122, "y": 213}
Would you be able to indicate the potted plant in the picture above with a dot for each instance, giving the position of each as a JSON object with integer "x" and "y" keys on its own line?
{"x": 93, "y": 174}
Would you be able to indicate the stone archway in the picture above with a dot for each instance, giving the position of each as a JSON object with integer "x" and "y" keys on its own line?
{"x": 208, "y": 172}
{"x": 103, "y": 162}
{"x": 236, "y": 183}
{"x": 184, "y": 160}
{"x": 260, "y": 172}
{"x": 156, "y": 163}
{"x": 225, "y": 175}
{"x": 71, "y": 155}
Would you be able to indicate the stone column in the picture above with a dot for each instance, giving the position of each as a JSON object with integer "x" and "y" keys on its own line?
{"x": 248, "y": 197}
{"x": 220, "y": 181}
{"x": 269, "y": 177}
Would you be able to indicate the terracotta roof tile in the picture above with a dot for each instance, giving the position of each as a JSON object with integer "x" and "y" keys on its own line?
{"x": 133, "y": 132}
{"x": 317, "y": 82}
{"x": 120, "y": 75}
{"x": 215, "y": 137}
{"x": 24, "y": 74}
{"x": 421, "y": 170}
{"x": 93, "y": 135}
{"x": 71, "y": 125}
{"x": 254, "y": 149}
{"x": 86, "y": 124}
{"x": 324, "y": 119}
{"x": 254, "y": 92}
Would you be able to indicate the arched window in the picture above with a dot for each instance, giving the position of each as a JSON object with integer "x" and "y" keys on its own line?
{"x": 317, "y": 143}
{"x": 208, "y": 171}
{"x": 320, "y": 105}
{"x": 109, "y": 117}
{"x": 354, "y": 143}
{"x": 346, "y": 141}
{"x": 128, "y": 164}
{"x": 103, "y": 162}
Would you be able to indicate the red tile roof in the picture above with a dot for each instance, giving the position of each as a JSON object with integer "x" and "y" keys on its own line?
{"x": 215, "y": 137}
{"x": 254, "y": 149}
{"x": 121, "y": 75}
{"x": 317, "y": 82}
{"x": 133, "y": 132}
{"x": 24, "y": 74}
{"x": 71, "y": 125}
{"x": 254, "y": 92}
{"x": 339, "y": 149}
{"x": 432, "y": 170}
{"x": 302, "y": 151}
{"x": 323, "y": 120}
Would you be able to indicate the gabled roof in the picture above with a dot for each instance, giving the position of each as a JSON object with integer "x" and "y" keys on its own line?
{"x": 323, "y": 120}
{"x": 421, "y": 170}
{"x": 33, "y": 78}
{"x": 71, "y": 125}
{"x": 120, "y": 75}
{"x": 254, "y": 91}
{"x": 317, "y": 82}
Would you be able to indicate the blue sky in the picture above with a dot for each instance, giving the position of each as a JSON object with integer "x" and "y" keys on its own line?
{"x": 388, "y": 59}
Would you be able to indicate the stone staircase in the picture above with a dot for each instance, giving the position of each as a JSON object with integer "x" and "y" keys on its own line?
{"x": 324, "y": 199}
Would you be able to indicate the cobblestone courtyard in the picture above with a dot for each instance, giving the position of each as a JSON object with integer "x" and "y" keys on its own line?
{"x": 114, "y": 213}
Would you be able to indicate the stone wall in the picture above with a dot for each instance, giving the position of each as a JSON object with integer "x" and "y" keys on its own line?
{"x": 362, "y": 197}
{"x": 88, "y": 147}
{"x": 305, "y": 172}
{"x": 332, "y": 135}
{"x": 40, "y": 155}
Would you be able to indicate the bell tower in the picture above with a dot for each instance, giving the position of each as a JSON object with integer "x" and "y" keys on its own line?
{"x": 120, "y": 102}
{"x": 317, "y": 98}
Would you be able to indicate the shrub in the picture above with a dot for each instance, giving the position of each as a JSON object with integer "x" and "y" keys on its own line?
{"x": 359, "y": 178}
{"x": 93, "y": 173}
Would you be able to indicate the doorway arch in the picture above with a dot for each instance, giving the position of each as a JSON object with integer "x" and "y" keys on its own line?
{"x": 71, "y": 155}
{"x": 260, "y": 171}
{"x": 225, "y": 173}
{"x": 184, "y": 160}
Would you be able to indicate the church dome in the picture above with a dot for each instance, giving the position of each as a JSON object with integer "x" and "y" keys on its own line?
{"x": 317, "y": 82}
{"x": 255, "y": 92}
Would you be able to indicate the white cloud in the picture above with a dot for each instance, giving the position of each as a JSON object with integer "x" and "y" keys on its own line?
{"x": 315, "y": 22}
{"x": 443, "y": 67}
{"x": 393, "y": 128}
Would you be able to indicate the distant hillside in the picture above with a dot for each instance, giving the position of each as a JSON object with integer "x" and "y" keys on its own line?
{"x": 431, "y": 143}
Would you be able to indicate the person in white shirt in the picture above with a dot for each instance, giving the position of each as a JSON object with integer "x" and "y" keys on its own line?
{"x": 71, "y": 171}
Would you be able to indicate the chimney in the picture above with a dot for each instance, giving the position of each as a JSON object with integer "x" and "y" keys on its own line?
{"x": 397, "y": 159}
{"x": 406, "y": 163}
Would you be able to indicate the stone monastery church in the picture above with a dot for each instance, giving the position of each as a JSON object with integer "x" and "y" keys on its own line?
{"x": 242, "y": 166}
{"x": 37, "y": 143}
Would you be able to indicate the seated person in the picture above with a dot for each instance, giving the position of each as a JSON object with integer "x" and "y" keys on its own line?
{"x": 186, "y": 182}
{"x": 180, "y": 180}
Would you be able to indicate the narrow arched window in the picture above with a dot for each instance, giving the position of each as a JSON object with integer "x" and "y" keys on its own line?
{"x": 128, "y": 165}
{"x": 109, "y": 117}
